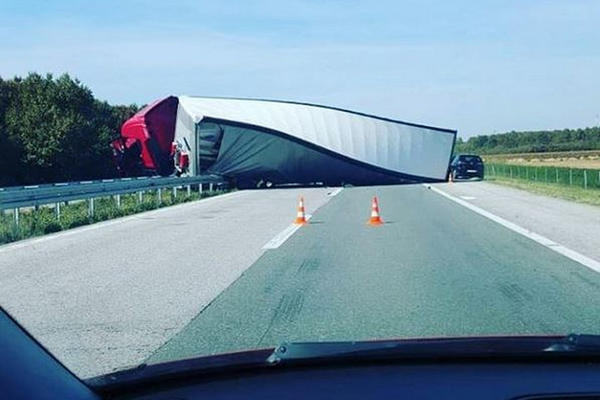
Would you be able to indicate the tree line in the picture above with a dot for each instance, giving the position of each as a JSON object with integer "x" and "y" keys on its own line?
{"x": 532, "y": 142}
{"x": 54, "y": 130}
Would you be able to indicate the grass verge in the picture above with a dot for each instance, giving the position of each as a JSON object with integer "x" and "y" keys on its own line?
{"x": 41, "y": 221}
{"x": 573, "y": 193}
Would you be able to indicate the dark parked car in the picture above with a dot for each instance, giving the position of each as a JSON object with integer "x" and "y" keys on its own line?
{"x": 465, "y": 166}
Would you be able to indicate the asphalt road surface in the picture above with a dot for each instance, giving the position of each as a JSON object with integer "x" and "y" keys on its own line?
{"x": 572, "y": 224}
{"x": 196, "y": 280}
{"x": 108, "y": 295}
{"x": 434, "y": 269}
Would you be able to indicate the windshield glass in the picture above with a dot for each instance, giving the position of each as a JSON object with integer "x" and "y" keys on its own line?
{"x": 180, "y": 180}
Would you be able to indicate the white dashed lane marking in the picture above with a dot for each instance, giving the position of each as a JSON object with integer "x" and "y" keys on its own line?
{"x": 282, "y": 236}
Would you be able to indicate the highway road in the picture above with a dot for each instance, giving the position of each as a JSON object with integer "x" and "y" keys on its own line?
{"x": 434, "y": 269}
{"x": 572, "y": 224}
{"x": 109, "y": 294}
{"x": 196, "y": 279}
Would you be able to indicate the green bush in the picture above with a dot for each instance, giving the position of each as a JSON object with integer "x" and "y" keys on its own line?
{"x": 44, "y": 124}
{"x": 9, "y": 233}
{"x": 74, "y": 223}
{"x": 36, "y": 222}
{"x": 52, "y": 227}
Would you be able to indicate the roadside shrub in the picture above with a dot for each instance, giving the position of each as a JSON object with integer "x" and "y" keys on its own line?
{"x": 74, "y": 214}
{"x": 52, "y": 227}
{"x": 9, "y": 234}
{"x": 146, "y": 206}
{"x": 74, "y": 223}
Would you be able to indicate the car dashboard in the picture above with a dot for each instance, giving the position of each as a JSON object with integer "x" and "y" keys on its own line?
{"x": 573, "y": 380}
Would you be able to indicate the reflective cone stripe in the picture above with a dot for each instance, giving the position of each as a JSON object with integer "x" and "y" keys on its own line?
{"x": 300, "y": 216}
{"x": 375, "y": 218}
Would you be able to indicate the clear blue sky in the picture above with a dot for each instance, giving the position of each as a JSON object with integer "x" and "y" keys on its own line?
{"x": 477, "y": 66}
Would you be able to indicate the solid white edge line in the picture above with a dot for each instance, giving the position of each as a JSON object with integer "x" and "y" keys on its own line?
{"x": 544, "y": 241}
{"x": 102, "y": 224}
{"x": 284, "y": 235}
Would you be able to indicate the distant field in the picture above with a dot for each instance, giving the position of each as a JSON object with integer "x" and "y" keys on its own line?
{"x": 589, "y": 159}
{"x": 568, "y": 175}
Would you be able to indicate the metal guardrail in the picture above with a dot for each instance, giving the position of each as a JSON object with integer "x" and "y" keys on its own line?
{"x": 36, "y": 195}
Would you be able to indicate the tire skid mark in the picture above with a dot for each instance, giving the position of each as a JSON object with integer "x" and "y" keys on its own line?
{"x": 515, "y": 293}
{"x": 289, "y": 307}
{"x": 292, "y": 301}
{"x": 308, "y": 265}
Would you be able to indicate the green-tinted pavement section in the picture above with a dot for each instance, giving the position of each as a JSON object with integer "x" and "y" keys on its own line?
{"x": 434, "y": 269}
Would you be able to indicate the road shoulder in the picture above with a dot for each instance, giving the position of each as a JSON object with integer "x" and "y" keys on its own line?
{"x": 573, "y": 225}
{"x": 109, "y": 294}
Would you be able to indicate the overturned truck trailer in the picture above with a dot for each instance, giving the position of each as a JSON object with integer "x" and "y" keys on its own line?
{"x": 251, "y": 141}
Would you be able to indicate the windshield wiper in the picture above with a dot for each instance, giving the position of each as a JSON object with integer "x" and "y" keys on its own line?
{"x": 577, "y": 343}
{"x": 472, "y": 347}
{"x": 321, "y": 353}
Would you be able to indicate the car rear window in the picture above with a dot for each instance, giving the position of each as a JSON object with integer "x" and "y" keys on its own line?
{"x": 470, "y": 159}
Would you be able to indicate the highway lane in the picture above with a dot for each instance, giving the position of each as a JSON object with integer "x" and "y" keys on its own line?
{"x": 434, "y": 269}
{"x": 110, "y": 294}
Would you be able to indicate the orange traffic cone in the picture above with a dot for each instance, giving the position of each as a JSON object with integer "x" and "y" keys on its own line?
{"x": 300, "y": 217}
{"x": 375, "y": 219}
